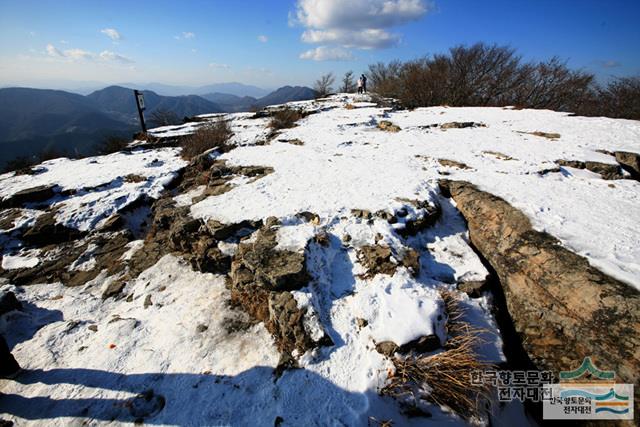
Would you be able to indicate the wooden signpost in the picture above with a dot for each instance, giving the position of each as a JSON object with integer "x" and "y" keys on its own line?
{"x": 140, "y": 103}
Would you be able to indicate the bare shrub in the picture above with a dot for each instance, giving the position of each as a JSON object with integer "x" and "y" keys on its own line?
{"x": 619, "y": 99}
{"x": 285, "y": 118}
{"x": 323, "y": 86}
{"x": 385, "y": 79}
{"x": 445, "y": 378}
{"x": 161, "y": 117}
{"x": 348, "y": 85}
{"x": 206, "y": 137}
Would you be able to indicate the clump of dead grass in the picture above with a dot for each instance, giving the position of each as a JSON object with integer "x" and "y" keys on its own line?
{"x": 208, "y": 136}
{"x": 285, "y": 118}
{"x": 445, "y": 378}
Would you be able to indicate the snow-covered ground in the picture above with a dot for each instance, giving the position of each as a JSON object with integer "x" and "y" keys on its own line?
{"x": 176, "y": 334}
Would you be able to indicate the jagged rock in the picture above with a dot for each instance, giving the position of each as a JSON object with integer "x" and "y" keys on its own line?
{"x": 29, "y": 195}
{"x": 411, "y": 260}
{"x": 361, "y": 322}
{"x": 498, "y": 155}
{"x": 453, "y": 164}
{"x": 424, "y": 344}
{"x": 222, "y": 231}
{"x": 473, "y": 288}
{"x": 113, "y": 289}
{"x": 386, "y": 348}
{"x": 47, "y": 230}
{"x": 269, "y": 268}
{"x": 548, "y": 135}
{"x": 147, "y": 302}
{"x": 461, "y": 125}
{"x": 430, "y": 213}
{"x": 361, "y": 213}
{"x": 286, "y": 323}
{"x": 387, "y": 126}
{"x": 9, "y": 302}
{"x": 606, "y": 170}
{"x": 377, "y": 259}
{"x": 8, "y": 218}
{"x": 563, "y": 308}
{"x": 630, "y": 162}
{"x": 309, "y": 217}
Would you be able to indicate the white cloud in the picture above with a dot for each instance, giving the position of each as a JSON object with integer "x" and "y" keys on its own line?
{"x": 359, "y": 14}
{"x": 112, "y": 33}
{"x": 325, "y": 53}
{"x": 361, "y": 39}
{"x": 185, "y": 35}
{"x": 359, "y": 24}
{"x": 76, "y": 54}
{"x": 53, "y": 51}
{"x": 107, "y": 55}
{"x": 84, "y": 55}
{"x": 262, "y": 38}
{"x": 219, "y": 66}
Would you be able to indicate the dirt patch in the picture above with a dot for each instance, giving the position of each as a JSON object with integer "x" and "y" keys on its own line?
{"x": 498, "y": 155}
{"x": 548, "y": 135}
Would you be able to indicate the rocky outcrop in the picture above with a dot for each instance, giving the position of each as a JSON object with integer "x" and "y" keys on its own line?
{"x": 29, "y": 195}
{"x": 380, "y": 259}
{"x": 260, "y": 280}
{"x": 630, "y": 162}
{"x": 606, "y": 170}
{"x": 563, "y": 309}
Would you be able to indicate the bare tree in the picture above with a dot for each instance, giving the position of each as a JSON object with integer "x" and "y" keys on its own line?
{"x": 348, "y": 85}
{"x": 323, "y": 85}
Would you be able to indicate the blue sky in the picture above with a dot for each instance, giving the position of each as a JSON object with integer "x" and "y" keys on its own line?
{"x": 272, "y": 43}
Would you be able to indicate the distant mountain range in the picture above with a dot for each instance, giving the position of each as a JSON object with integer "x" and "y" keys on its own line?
{"x": 36, "y": 120}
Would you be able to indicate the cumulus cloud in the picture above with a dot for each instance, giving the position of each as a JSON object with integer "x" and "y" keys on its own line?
{"x": 358, "y": 24}
{"x": 219, "y": 66}
{"x": 185, "y": 35}
{"x": 107, "y": 55}
{"x": 361, "y": 39}
{"x": 80, "y": 54}
{"x": 359, "y": 14}
{"x": 53, "y": 51}
{"x": 112, "y": 33}
{"x": 325, "y": 53}
{"x": 263, "y": 38}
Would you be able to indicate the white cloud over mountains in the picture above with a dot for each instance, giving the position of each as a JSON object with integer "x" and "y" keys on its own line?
{"x": 80, "y": 54}
{"x": 324, "y": 53}
{"x": 353, "y": 24}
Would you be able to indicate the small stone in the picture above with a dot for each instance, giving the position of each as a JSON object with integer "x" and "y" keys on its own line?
{"x": 361, "y": 322}
{"x": 147, "y": 301}
{"x": 93, "y": 328}
{"x": 386, "y": 348}
{"x": 201, "y": 328}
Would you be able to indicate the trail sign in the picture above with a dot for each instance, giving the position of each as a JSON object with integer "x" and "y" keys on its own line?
{"x": 140, "y": 104}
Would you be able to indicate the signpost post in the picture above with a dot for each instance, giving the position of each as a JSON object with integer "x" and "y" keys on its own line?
{"x": 140, "y": 103}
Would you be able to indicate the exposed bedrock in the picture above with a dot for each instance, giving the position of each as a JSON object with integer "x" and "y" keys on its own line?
{"x": 260, "y": 280}
{"x": 563, "y": 309}
{"x": 630, "y": 162}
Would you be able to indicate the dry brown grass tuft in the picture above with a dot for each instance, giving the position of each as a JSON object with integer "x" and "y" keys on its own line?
{"x": 445, "y": 378}
{"x": 349, "y": 106}
{"x": 210, "y": 135}
{"x": 285, "y": 118}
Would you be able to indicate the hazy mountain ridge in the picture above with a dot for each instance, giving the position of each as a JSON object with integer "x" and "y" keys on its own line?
{"x": 37, "y": 120}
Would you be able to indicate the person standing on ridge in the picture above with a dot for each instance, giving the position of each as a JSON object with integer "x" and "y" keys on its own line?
{"x": 364, "y": 83}
{"x": 359, "y": 83}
